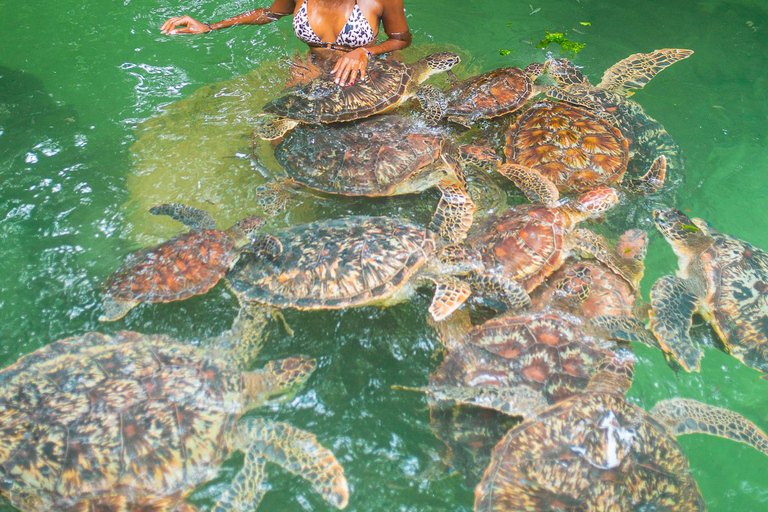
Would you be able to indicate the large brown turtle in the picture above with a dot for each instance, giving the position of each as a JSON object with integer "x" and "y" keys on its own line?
{"x": 574, "y": 149}
{"x": 186, "y": 265}
{"x": 722, "y": 278}
{"x": 388, "y": 84}
{"x": 134, "y": 422}
{"x": 358, "y": 261}
{"x": 384, "y": 156}
{"x": 610, "y": 100}
{"x": 491, "y": 94}
{"x": 596, "y": 451}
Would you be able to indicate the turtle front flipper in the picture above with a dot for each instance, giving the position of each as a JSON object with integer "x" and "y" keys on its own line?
{"x": 297, "y": 451}
{"x": 580, "y": 100}
{"x": 433, "y": 102}
{"x": 187, "y": 215}
{"x": 115, "y": 309}
{"x": 630, "y": 269}
{"x": 454, "y": 213}
{"x": 537, "y": 188}
{"x": 271, "y": 127}
{"x": 624, "y": 328}
{"x": 685, "y": 416}
{"x": 673, "y": 304}
{"x": 502, "y": 289}
{"x": 246, "y": 338}
{"x": 272, "y": 198}
{"x": 652, "y": 181}
{"x": 638, "y": 69}
{"x": 247, "y": 488}
{"x": 450, "y": 294}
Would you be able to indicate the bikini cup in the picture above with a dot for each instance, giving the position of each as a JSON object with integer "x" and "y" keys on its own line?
{"x": 356, "y": 32}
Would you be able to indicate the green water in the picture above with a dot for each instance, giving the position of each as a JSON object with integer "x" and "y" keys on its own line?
{"x": 101, "y": 116}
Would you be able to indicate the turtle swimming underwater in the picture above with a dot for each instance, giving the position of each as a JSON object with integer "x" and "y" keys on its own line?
{"x": 384, "y": 156}
{"x": 596, "y": 451}
{"x": 722, "y": 278}
{"x": 492, "y": 94}
{"x": 358, "y": 261}
{"x": 186, "y": 265}
{"x": 610, "y": 100}
{"x": 388, "y": 84}
{"x": 133, "y": 422}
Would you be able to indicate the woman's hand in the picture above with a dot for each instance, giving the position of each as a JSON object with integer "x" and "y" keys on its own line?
{"x": 184, "y": 25}
{"x": 350, "y": 66}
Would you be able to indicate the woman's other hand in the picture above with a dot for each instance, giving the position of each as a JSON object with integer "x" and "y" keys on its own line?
{"x": 184, "y": 25}
{"x": 351, "y": 67}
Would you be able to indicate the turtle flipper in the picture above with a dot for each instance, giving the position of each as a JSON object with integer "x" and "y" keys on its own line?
{"x": 685, "y": 416}
{"x": 271, "y": 127}
{"x": 116, "y": 309}
{"x": 246, "y": 338}
{"x": 638, "y": 69}
{"x": 267, "y": 245}
{"x": 450, "y": 294}
{"x": 502, "y": 289}
{"x": 652, "y": 181}
{"x": 191, "y": 217}
{"x": 515, "y": 401}
{"x": 580, "y": 100}
{"x": 433, "y": 102}
{"x": 282, "y": 378}
{"x": 630, "y": 269}
{"x": 537, "y": 188}
{"x": 272, "y": 198}
{"x": 454, "y": 213}
{"x": 247, "y": 488}
{"x": 673, "y": 305}
{"x": 478, "y": 156}
{"x": 297, "y": 451}
{"x": 624, "y": 328}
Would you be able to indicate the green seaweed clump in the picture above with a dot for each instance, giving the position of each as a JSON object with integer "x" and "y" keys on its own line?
{"x": 561, "y": 38}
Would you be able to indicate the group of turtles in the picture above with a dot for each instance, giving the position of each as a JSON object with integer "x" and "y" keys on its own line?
{"x": 135, "y": 422}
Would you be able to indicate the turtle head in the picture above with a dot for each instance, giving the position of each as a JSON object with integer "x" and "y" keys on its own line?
{"x": 278, "y": 380}
{"x": 479, "y": 156}
{"x": 615, "y": 373}
{"x": 534, "y": 70}
{"x": 596, "y": 201}
{"x": 438, "y": 63}
{"x": 244, "y": 229}
{"x": 679, "y": 229}
{"x": 271, "y": 126}
{"x": 576, "y": 284}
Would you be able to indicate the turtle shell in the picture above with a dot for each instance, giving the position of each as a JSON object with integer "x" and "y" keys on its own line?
{"x": 525, "y": 242}
{"x": 186, "y": 265}
{"x": 324, "y": 101}
{"x": 380, "y": 156}
{"x": 334, "y": 264}
{"x": 590, "y": 452}
{"x": 572, "y": 147}
{"x": 105, "y": 420}
{"x": 491, "y": 94}
{"x": 737, "y": 286}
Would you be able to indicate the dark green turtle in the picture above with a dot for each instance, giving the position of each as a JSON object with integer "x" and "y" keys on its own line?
{"x": 723, "y": 279}
{"x": 389, "y": 83}
{"x": 134, "y": 422}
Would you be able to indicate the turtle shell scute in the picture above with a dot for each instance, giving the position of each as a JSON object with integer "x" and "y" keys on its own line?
{"x": 489, "y": 95}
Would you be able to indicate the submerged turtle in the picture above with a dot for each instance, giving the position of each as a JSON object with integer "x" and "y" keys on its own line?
{"x": 596, "y": 451}
{"x": 575, "y": 149}
{"x": 384, "y": 156}
{"x": 186, "y": 265}
{"x": 722, "y": 278}
{"x": 388, "y": 84}
{"x": 358, "y": 261}
{"x": 528, "y": 243}
{"x": 485, "y": 96}
{"x": 136, "y": 422}
{"x": 610, "y": 100}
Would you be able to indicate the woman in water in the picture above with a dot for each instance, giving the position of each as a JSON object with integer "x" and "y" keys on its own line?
{"x": 340, "y": 33}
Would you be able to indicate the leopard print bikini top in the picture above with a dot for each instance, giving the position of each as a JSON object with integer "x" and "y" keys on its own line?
{"x": 357, "y": 32}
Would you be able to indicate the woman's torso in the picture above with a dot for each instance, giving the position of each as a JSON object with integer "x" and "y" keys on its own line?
{"x": 352, "y": 29}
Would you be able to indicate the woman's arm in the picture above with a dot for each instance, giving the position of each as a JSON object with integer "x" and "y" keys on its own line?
{"x": 399, "y": 37}
{"x": 262, "y": 16}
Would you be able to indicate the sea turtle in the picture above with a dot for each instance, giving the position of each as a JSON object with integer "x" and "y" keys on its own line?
{"x": 574, "y": 149}
{"x": 358, "y": 261}
{"x": 384, "y": 156}
{"x": 492, "y": 94}
{"x": 610, "y": 100}
{"x": 133, "y": 422}
{"x": 527, "y": 243}
{"x": 722, "y": 278}
{"x": 388, "y": 84}
{"x": 596, "y": 451}
{"x": 186, "y": 265}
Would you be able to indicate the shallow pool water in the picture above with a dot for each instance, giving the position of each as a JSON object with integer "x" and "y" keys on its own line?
{"x": 101, "y": 117}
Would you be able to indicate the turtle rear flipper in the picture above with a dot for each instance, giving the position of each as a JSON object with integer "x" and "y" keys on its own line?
{"x": 638, "y": 69}
{"x": 537, "y": 188}
{"x": 187, "y": 215}
{"x": 433, "y": 102}
{"x": 652, "y": 181}
{"x": 629, "y": 268}
{"x": 450, "y": 294}
{"x": 116, "y": 309}
{"x": 454, "y": 213}
{"x": 685, "y": 416}
{"x": 295, "y": 450}
{"x": 673, "y": 305}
